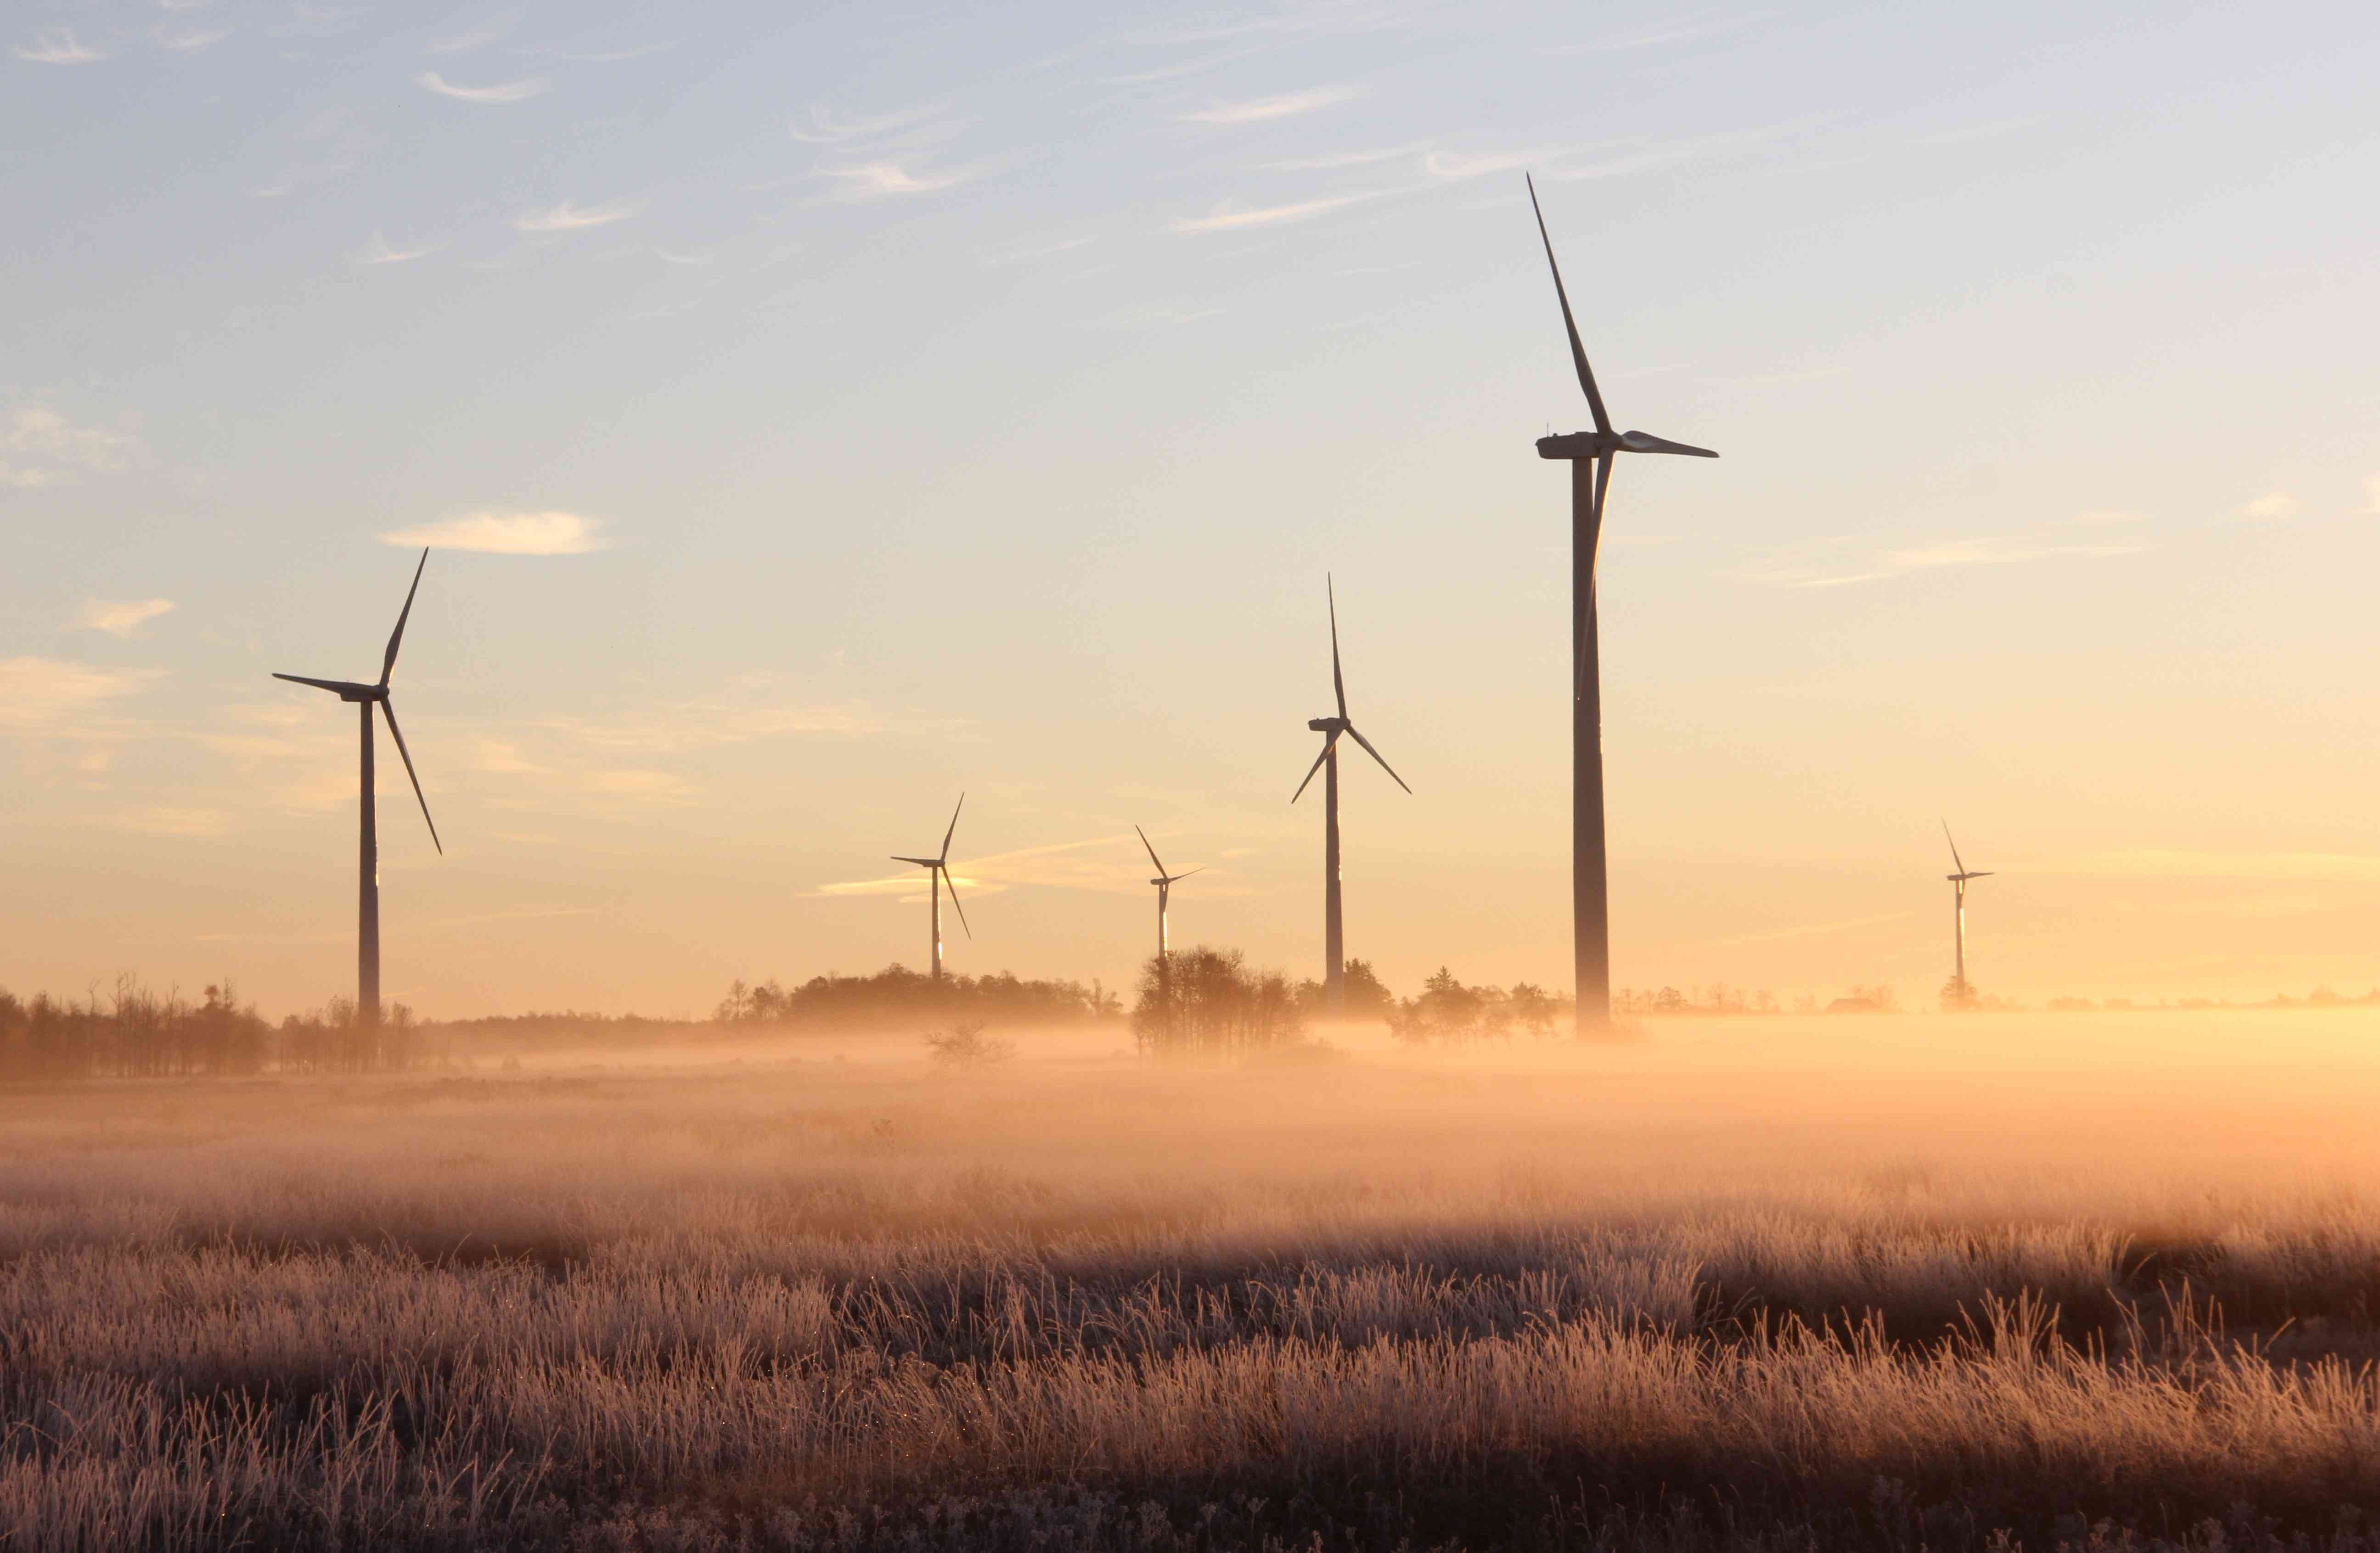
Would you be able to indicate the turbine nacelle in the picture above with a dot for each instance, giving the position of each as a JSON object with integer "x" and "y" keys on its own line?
{"x": 1595, "y": 444}
{"x": 346, "y": 689}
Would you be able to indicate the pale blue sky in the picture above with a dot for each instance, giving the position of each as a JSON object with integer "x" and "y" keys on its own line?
{"x": 947, "y": 399}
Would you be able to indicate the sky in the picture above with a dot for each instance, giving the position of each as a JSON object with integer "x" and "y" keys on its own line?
{"x": 815, "y": 412}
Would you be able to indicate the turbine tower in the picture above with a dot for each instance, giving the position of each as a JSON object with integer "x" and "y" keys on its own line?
{"x": 1959, "y": 908}
{"x": 1590, "y": 455}
{"x": 937, "y": 872}
{"x": 1165, "y": 883}
{"x": 1334, "y": 938}
{"x": 368, "y": 851}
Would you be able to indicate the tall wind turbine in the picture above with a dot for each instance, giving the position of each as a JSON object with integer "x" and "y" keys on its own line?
{"x": 1334, "y": 938}
{"x": 1590, "y": 455}
{"x": 1958, "y": 901}
{"x": 937, "y": 872}
{"x": 1165, "y": 883}
{"x": 367, "y": 855}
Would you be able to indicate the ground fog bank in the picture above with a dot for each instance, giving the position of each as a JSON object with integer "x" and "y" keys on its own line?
{"x": 1877, "y": 1282}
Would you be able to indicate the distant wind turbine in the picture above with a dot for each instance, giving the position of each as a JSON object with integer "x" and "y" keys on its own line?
{"x": 937, "y": 872}
{"x": 1335, "y": 944}
{"x": 368, "y": 862}
{"x": 1165, "y": 883}
{"x": 1590, "y": 455}
{"x": 1959, "y": 902}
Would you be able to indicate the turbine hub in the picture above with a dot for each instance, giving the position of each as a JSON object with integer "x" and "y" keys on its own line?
{"x": 1578, "y": 444}
{"x": 1327, "y": 724}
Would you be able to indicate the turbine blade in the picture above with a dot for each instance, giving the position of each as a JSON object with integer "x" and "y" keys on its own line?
{"x": 1577, "y": 351}
{"x": 388, "y": 663}
{"x": 339, "y": 685}
{"x": 1338, "y": 683}
{"x": 1314, "y": 768}
{"x": 1985, "y": 874}
{"x": 1955, "y": 860}
{"x": 1179, "y": 878}
{"x": 390, "y": 712}
{"x": 1376, "y": 754}
{"x": 1152, "y": 851}
{"x": 955, "y": 897}
{"x": 921, "y": 862}
{"x": 1644, "y": 441}
{"x": 951, "y": 831}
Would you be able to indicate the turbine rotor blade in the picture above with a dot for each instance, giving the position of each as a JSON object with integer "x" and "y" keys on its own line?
{"x": 390, "y": 713}
{"x": 1338, "y": 683}
{"x": 1314, "y": 768}
{"x": 1152, "y": 851}
{"x": 1644, "y": 441}
{"x": 388, "y": 664}
{"x": 1376, "y": 754}
{"x": 955, "y": 897}
{"x": 1985, "y": 874}
{"x": 921, "y": 862}
{"x": 1179, "y": 878}
{"x": 1577, "y": 351}
{"x": 1956, "y": 861}
{"x": 954, "y": 831}
{"x": 340, "y": 686}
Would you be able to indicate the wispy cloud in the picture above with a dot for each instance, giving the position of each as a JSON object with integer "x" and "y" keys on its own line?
{"x": 692, "y": 261}
{"x": 382, "y": 251}
{"x": 1225, "y": 217}
{"x": 825, "y": 129}
{"x": 1109, "y": 864}
{"x": 1263, "y": 110}
{"x": 46, "y": 448}
{"x": 567, "y": 217}
{"x": 1983, "y": 550}
{"x": 189, "y": 41}
{"x": 1811, "y": 931}
{"x": 1612, "y": 158}
{"x": 2271, "y": 507}
{"x": 886, "y": 180}
{"x": 506, "y": 92}
{"x": 506, "y": 533}
{"x": 123, "y": 617}
{"x": 59, "y": 45}
{"x": 37, "y": 694}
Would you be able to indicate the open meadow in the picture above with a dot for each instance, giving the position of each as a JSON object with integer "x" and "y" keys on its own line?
{"x": 2106, "y": 1279}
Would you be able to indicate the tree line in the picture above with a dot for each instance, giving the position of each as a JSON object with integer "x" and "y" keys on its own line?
{"x": 135, "y": 1032}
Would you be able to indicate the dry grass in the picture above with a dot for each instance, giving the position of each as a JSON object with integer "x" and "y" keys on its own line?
{"x": 1722, "y": 1291}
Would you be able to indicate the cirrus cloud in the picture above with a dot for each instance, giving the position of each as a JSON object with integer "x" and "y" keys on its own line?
{"x": 37, "y": 693}
{"x": 59, "y": 45}
{"x": 505, "y": 91}
{"x": 567, "y": 217}
{"x": 1263, "y": 109}
{"x": 506, "y": 533}
{"x": 122, "y": 617}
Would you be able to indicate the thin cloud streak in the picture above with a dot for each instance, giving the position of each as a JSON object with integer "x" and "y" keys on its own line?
{"x": 36, "y": 693}
{"x": 381, "y": 252}
{"x": 1225, "y": 219}
{"x": 885, "y": 180}
{"x": 505, "y": 533}
{"x": 122, "y": 618}
{"x": 508, "y": 91}
{"x": 59, "y": 45}
{"x": 567, "y": 217}
{"x": 1265, "y": 109}
{"x": 825, "y": 129}
{"x": 1987, "y": 551}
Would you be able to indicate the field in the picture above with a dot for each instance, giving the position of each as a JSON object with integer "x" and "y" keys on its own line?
{"x": 2097, "y": 1280}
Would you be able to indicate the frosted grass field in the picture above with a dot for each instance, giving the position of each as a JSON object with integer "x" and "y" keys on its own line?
{"x": 2105, "y": 1280}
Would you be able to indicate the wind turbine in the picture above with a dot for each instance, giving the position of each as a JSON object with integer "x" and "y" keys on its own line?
{"x": 368, "y": 856}
{"x": 1590, "y": 455}
{"x": 1334, "y": 938}
{"x": 1165, "y": 883}
{"x": 1959, "y": 898}
{"x": 937, "y": 872}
